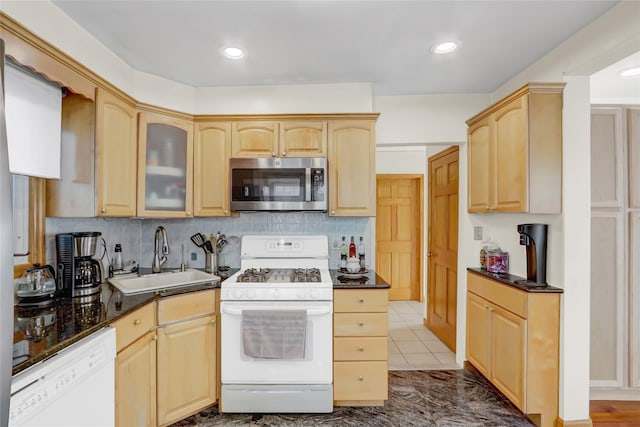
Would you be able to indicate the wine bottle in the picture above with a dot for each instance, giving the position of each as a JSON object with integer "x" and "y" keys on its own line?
{"x": 352, "y": 248}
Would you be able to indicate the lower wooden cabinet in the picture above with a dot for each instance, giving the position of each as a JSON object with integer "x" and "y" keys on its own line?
{"x": 360, "y": 330}
{"x": 136, "y": 383}
{"x": 187, "y": 370}
{"x": 513, "y": 340}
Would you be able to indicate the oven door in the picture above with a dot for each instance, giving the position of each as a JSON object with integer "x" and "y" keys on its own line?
{"x": 314, "y": 368}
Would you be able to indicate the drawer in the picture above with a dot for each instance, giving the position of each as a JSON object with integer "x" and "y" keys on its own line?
{"x": 362, "y": 348}
{"x": 360, "y": 381}
{"x": 360, "y": 325}
{"x": 511, "y": 299}
{"x": 134, "y": 325}
{"x": 360, "y": 300}
{"x": 186, "y": 306}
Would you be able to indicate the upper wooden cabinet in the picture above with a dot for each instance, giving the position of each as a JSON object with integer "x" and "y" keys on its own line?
{"x": 515, "y": 153}
{"x": 165, "y": 166}
{"x": 352, "y": 168}
{"x": 294, "y": 138}
{"x": 116, "y": 154}
{"x": 212, "y": 150}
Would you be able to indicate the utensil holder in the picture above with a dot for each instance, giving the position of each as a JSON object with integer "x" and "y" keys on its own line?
{"x": 211, "y": 262}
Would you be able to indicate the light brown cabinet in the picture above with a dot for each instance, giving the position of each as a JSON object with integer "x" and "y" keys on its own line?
{"x": 165, "y": 166}
{"x": 303, "y": 139}
{"x": 515, "y": 153}
{"x": 212, "y": 149}
{"x": 135, "y": 368}
{"x": 255, "y": 139}
{"x": 360, "y": 368}
{"x": 352, "y": 168}
{"x": 116, "y": 155}
{"x": 187, "y": 355}
{"x": 292, "y": 138}
{"x": 513, "y": 340}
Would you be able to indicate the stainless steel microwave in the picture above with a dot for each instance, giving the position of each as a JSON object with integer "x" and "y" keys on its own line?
{"x": 279, "y": 184}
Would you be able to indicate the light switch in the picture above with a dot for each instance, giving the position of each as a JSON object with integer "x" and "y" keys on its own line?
{"x": 477, "y": 233}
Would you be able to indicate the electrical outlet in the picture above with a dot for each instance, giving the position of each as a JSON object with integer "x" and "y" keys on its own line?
{"x": 335, "y": 244}
{"x": 194, "y": 256}
{"x": 477, "y": 233}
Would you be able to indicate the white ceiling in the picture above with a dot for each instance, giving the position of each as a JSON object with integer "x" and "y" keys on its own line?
{"x": 305, "y": 42}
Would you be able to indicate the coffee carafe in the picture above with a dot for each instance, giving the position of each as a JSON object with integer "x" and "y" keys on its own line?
{"x": 534, "y": 237}
{"x": 78, "y": 273}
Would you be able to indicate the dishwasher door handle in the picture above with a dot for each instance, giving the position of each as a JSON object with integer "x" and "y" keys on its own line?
{"x": 310, "y": 311}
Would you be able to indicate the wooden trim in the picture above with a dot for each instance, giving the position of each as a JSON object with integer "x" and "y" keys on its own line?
{"x": 527, "y": 88}
{"x": 37, "y": 232}
{"x": 358, "y": 403}
{"x": 578, "y": 423}
{"x": 291, "y": 116}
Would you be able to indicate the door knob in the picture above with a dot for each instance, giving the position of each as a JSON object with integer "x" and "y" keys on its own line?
{"x": 429, "y": 254}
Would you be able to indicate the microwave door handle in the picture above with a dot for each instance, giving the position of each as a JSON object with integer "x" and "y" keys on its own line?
{"x": 307, "y": 180}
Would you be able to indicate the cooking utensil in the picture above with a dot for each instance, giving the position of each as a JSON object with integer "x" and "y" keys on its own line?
{"x": 198, "y": 240}
{"x": 208, "y": 247}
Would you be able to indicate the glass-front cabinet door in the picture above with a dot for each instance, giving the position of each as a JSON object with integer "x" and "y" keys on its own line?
{"x": 165, "y": 162}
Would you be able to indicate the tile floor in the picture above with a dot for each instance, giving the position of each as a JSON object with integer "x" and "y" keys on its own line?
{"x": 411, "y": 345}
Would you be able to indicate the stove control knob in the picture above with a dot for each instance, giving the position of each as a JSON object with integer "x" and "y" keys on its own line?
{"x": 251, "y": 293}
{"x": 302, "y": 293}
{"x": 276, "y": 293}
{"x": 237, "y": 293}
{"x": 313, "y": 294}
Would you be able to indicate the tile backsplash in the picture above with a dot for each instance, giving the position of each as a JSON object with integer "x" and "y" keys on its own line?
{"x": 137, "y": 235}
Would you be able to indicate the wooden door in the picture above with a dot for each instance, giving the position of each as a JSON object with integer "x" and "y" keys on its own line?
{"x": 303, "y": 139}
{"x": 352, "y": 168}
{"x": 399, "y": 234}
{"x": 511, "y": 157}
{"x": 186, "y": 368}
{"x": 211, "y": 152}
{"x": 135, "y": 379}
{"x": 255, "y": 139}
{"x": 442, "y": 258}
{"x": 116, "y": 156}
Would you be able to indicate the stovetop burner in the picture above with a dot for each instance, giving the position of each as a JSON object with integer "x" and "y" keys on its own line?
{"x": 287, "y": 275}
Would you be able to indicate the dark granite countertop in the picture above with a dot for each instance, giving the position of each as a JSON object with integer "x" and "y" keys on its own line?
{"x": 512, "y": 280}
{"x": 369, "y": 280}
{"x": 40, "y": 332}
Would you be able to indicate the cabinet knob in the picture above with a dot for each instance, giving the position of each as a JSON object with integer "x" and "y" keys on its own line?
{"x": 103, "y": 210}
{"x": 360, "y": 379}
{"x": 273, "y": 154}
{"x": 490, "y": 308}
{"x": 137, "y": 322}
{"x": 188, "y": 213}
{"x": 226, "y": 212}
{"x": 333, "y": 212}
{"x": 284, "y": 154}
{"x": 361, "y": 300}
{"x": 361, "y": 323}
{"x": 213, "y": 322}
{"x": 155, "y": 338}
{"x": 360, "y": 348}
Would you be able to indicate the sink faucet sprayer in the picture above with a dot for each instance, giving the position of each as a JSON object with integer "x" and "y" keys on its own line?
{"x": 161, "y": 233}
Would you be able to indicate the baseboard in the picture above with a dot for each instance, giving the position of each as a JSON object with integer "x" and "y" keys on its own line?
{"x": 573, "y": 423}
{"x": 625, "y": 394}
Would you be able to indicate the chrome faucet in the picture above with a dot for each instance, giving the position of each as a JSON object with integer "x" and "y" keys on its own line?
{"x": 161, "y": 234}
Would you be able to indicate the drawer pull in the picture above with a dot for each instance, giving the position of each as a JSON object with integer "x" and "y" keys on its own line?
{"x": 361, "y": 300}
{"x": 360, "y": 379}
{"x": 361, "y": 323}
{"x": 361, "y": 348}
{"x": 137, "y": 322}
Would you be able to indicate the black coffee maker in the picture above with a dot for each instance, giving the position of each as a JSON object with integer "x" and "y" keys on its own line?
{"x": 79, "y": 274}
{"x": 534, "y": 237}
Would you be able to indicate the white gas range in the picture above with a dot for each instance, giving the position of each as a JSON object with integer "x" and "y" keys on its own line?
{"x": 276, "y": 327}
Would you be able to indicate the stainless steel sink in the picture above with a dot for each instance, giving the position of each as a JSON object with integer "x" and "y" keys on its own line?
{"x": 159, "y": 281}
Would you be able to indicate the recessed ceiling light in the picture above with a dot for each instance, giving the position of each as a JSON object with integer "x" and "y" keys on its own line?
{"x": 630, "y": 72}
{"x": 444, "y": 47}
{"x": 233, "y": 52}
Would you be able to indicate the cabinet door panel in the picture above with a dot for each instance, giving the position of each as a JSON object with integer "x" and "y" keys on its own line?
{"x": 479, "y": 167}
{"x": 478, "y": 330}
{"x": 211, "y": 153}
{"x": 254, "y": 139}
{"x": 186, "y": 368}
{"x": 136, "y": 383}
{"x": 511, "y": 157}
{"x": 116, "y": 155}
{"x": 303, "y": 139}
{"x": 508, "y": 347}
{"x": 352, "y": 177}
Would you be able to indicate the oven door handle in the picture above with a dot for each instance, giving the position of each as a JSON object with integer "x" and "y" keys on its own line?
{"x": 310, "y": 311}
{"x": 307, "y": 185}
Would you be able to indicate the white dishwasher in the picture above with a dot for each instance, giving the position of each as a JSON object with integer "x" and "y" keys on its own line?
{"x": 74, "y": 387}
